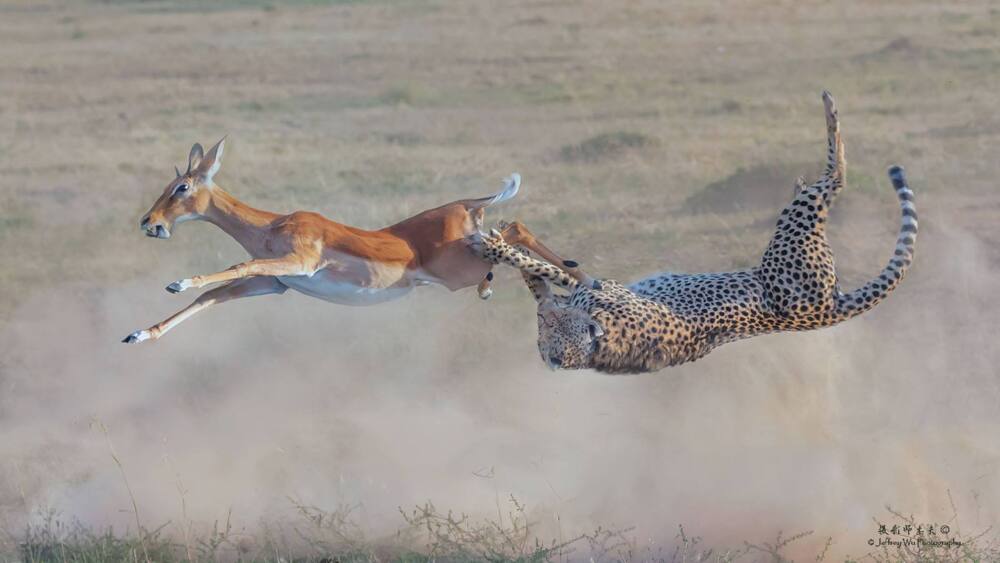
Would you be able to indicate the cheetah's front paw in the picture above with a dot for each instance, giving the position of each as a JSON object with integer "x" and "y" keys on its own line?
{"x": 486, "y": 246}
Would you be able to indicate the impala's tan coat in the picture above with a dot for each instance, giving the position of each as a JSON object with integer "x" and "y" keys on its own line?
{"x": 321, "y": 258}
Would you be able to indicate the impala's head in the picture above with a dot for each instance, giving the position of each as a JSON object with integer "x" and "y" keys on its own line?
{"x": 187, "y": 196}
{"x": 567, "y": 335}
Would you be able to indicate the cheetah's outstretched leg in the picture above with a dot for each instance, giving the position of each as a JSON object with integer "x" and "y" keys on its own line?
{"x": 833, "y": 178}
{"x": 797, "y": 268}
{"x": 493, "y": 248}
{"x": 538, "y": 287}
{"x": 520, "y": 237}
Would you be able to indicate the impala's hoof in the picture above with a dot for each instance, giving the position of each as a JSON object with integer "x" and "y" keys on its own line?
{"x": 179, "y": 286}
{"x": 486, "y": 293}
{"x": 137, "y": 337}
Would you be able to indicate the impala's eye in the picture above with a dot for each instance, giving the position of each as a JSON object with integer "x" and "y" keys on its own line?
{"x": 181, "y": 188}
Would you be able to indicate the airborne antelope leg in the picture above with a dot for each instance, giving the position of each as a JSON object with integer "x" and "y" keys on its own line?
{"x": 286, "y": 266}
{"x": 247, "y": 287}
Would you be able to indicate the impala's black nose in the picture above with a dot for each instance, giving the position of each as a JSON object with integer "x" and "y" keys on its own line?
{"x": 155, "y": 231}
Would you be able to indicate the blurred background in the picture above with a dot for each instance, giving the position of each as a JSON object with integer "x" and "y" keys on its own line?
{"x": 651, "y": 136}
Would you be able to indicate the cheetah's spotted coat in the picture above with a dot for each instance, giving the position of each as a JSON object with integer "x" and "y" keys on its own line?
{"x": 668, "y": 319}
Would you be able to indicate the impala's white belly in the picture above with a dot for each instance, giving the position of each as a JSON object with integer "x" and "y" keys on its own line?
{"x": 367, "y": 283}
{"x": 323, "y": 285}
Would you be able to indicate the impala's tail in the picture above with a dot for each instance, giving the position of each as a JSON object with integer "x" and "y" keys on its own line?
{"x": 873, "y": 292}
{"x": 510, "y": 187}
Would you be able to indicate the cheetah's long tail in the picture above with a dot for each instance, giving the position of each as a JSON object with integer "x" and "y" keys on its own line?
{"x": 873, "y": 292}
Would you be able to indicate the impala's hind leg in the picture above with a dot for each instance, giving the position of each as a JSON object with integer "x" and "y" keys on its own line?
{"x": 797, "y": 268}
{"x": 246, "y": 287}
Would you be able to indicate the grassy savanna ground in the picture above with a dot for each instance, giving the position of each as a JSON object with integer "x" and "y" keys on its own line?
{"x": 650, "y": 135}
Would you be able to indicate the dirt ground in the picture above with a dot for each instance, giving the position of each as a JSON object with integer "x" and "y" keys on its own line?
{"x": 650, "y": 135}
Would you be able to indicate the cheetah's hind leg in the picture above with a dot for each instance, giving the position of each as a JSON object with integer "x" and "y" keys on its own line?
{"x": 797, "y": 268}
{"x": 832, "y": 181}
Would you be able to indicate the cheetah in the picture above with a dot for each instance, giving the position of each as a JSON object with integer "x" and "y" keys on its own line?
{"x": 669, "y": 319}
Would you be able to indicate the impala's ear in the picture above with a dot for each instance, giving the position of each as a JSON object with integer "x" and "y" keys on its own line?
{"x": 213, "y": 160}
{"x": 194, "y": 159}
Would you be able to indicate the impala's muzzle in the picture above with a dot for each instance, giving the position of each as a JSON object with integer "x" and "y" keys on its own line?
{"x": 155, "y": 230}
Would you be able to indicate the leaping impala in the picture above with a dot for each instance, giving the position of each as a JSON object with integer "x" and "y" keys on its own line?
{"x": 321, "y": 258}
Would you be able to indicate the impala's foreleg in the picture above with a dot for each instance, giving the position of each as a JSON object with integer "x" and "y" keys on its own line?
{"x": 291, "y": 265}
{"x": 518, "y": 235}
{"x": 248, "y": 287}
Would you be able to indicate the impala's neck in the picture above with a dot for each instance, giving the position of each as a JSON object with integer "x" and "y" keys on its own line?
{"x": 244, "y": 223}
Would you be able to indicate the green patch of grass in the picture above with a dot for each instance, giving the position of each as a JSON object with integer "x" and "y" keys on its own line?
{"x": 12, "y": 221}
{"x": 726, "y": 107}
{"x": 252, "y": 106}
{"x": 54, "y": 540}
{"x": 405, "y": 94}
{"x": 606, "y": 146}
{"x": 403, "y": 139}
{"x": 868, "y": 184}
{"x": 543, "y": 93}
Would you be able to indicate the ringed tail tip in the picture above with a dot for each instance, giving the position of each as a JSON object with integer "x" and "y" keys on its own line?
{"x": 897, "y": 176}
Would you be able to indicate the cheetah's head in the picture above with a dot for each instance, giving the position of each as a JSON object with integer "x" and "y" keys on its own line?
{"x": 567, "y": 336}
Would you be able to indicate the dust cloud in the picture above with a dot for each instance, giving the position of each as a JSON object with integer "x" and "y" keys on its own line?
{"x": 442, "y": 397}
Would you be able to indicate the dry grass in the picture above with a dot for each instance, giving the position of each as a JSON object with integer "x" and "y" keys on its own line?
{"x": 429, "y": 534}
{"x": 325, "y": 110}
